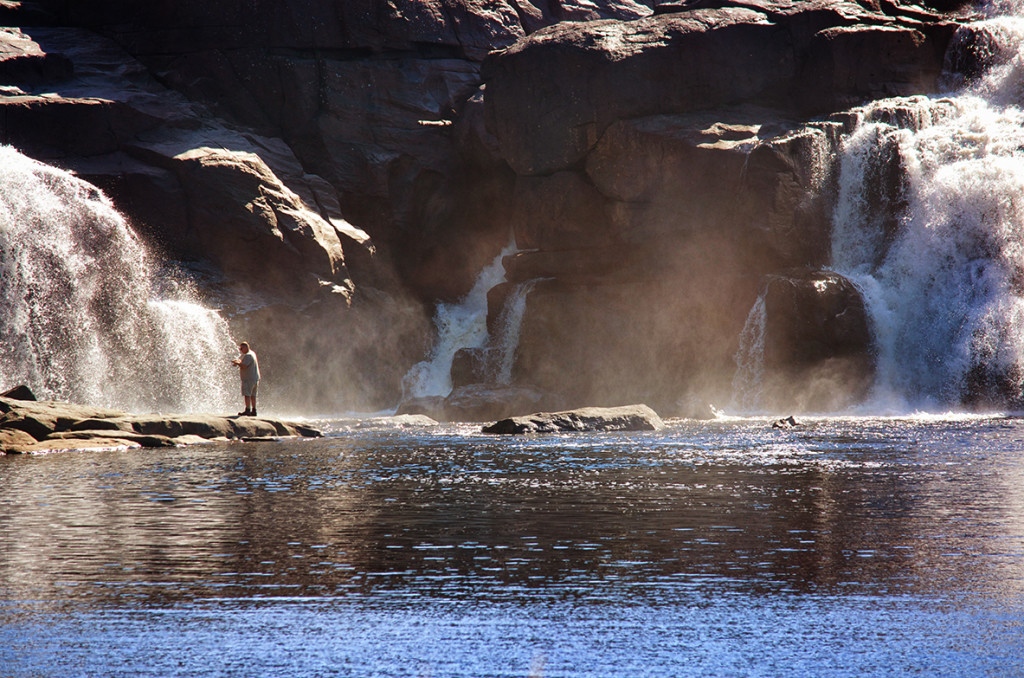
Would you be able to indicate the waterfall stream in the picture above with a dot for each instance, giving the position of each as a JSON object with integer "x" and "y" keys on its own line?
{"x": 84, "y": 316}
{"x": 928, "y": 223}
{"x": 462, "y": 324}
{"x": 746, "y": 384}
{"x": 944, "y": 280}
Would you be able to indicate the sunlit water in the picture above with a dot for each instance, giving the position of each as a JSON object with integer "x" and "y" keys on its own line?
{"x": 856, "y": 547}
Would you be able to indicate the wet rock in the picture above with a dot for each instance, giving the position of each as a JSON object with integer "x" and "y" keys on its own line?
{"x": 628, "y": 418}
{"x": 428, "y": 406}
{"x": 47, "y": 426}
{"x": 788, "y": 422}
{"x": 22, "y": 392}
{"x": 67, "y": 445}
{"x": 473, "y": 366}
{"x": 13, "y": 440}
{"x": 485, "y": 402}
{"x": 112, "y": 434}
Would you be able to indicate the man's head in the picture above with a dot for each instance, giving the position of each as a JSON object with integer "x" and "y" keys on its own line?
{"x": 243, "y": 347}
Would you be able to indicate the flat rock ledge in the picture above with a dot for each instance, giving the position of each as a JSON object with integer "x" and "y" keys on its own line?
{"x": 49, "y": 426}
{"x": 626, "y": 418}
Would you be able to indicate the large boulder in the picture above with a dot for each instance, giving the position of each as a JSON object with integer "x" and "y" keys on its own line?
{"x": 244, "y": 219}
{"x": 628, "y": 418}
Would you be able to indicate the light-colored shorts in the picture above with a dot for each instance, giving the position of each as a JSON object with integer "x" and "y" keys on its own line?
{"x": 249, "y": 388}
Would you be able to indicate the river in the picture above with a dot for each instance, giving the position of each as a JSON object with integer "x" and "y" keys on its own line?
{"x": 845, "y": 547}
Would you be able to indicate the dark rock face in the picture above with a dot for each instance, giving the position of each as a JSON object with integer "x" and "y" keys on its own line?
{"x": 809, "y": 58}
{"x": 628, "y": 418}
{"x": 817, "y": 342}
{"x": 692, "y": 210}
{"x": 653, "y": 166}
{"x": 365, "y": 94}
{"x": 667, "y": 164}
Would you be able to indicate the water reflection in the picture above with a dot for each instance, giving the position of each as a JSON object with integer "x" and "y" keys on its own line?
{"x": 703, "y": 510}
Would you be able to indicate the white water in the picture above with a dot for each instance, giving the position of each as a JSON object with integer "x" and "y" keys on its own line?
{"x": 509, "y": 325}
{"x": 945, "y": 292}
{"x": 83, "y": 316}
{"x": 749, "y": 378}
{"x": 459, "y": 325}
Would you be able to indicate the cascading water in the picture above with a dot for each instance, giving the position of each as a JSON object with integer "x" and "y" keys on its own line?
{"x": 82, "y": 315}
{"x": 459, "y": 325}
{"x": 746, "y": 384}
{"x": 944, "y": 282}
{"x": 509, "y": 325}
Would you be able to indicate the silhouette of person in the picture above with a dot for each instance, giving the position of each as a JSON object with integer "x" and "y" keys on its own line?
{"x": 249, "y": 371}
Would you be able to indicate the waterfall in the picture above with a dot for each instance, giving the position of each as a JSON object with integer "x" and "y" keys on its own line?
{"x": 937, "y": 248}
{"x": 746, "y": 384}
{"x": 458, "y": 325}
{"x": 83, "y": 315}
{"x": 509, "y": 324}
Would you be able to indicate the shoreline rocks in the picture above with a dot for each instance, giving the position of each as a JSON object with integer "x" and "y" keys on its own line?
{"x": 46, "y": 426}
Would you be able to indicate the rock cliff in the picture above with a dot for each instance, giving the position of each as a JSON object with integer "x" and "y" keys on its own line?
{"x": 331, "y": 169}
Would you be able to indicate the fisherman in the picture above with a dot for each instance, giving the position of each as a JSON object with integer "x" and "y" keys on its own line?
{"x": 249, "y": 371}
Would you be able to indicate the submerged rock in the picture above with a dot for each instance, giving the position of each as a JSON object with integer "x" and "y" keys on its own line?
{"x": 627, "y": 418}
{"x": 49, "y": 426}
{"x": 788, "y": 422}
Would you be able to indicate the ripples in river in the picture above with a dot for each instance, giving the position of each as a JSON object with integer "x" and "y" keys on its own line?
{"x": 845, "y": 547}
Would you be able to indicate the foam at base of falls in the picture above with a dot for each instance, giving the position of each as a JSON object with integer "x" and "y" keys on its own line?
{"x": 944, "y": 287}
{"x": 81, "y": 318}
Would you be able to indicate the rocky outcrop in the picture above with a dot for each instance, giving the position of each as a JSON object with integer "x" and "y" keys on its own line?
{"x": 688, "y": 212}
{"x": 653, "y": 162}
{"x": 818, "y": 351}
{"x": 588, "y": 419}
{"x": 807, "y": 58}
{"x": 202, "y": 191}
{"x": 44, "y": 426}
{"x": 368, "y": 96}
{"x": 235, "y": 209}
{"x": 693, "y": 158}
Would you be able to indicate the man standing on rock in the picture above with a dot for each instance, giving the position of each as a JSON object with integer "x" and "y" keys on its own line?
{"x": 249, "y": 371}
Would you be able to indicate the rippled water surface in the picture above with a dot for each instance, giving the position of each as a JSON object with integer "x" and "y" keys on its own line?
{"x": 844, "y": 548}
